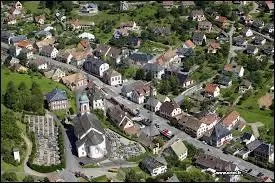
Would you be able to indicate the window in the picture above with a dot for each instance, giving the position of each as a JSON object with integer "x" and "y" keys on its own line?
{"x": 85, "y": 107}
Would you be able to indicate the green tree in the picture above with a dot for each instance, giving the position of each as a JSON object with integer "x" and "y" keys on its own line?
{"x": 174, "y": 85}
{"x": 67, "y": 5}
{"x": 10, "y": 97}
{"x": 28, "y": 178}
{"x": 23, "y": 59}
{"x": 164, "y": 87}
{"x": 149, "y": 76}
{"x": 186, "y": 104}
{"x": 37, "y": 99}
{"x": 140, "y": 74}
{"x": 9, "y": 177}
{"x": 225, "y": 9}
{"x": 132, "y": 176}
{"x": 161, "y": 13}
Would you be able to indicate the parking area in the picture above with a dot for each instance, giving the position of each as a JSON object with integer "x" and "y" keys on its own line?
{"x": 46, "y": 133}
{"x": 122, "y": 148}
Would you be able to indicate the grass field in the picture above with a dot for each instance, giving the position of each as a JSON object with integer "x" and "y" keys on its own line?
{"x": 102, "y": 178}
{"x": 19, "y": 170}
{"x": 45, "y": 84}
{"x": 32, "y": 6}
{"x": 255, "y": 114}
{"x": 153, "y": 47}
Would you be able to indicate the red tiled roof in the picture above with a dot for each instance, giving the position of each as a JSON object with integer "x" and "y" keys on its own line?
{"x": 221, "y": 19}
{"x": 210, "y": 118}
{"x": 228, "y": 120}
{"x": 211, "y": 88}
{"x": 214, "y": 45}
{"x": 189, "y": 44}
{"x": 85, "y": 43}
{"x": 24, "y": 43}
{"x": 270, "y": 5}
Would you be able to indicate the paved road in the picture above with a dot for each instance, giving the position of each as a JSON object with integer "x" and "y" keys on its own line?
{"x": 230, "y": 43}
{"x": 163, "y": 122}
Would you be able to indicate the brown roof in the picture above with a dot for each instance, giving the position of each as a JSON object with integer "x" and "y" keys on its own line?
{"x": 232, "y": 67}
{"x": 37, "y": 18}
{"x": 210, "y": 88}
{"x": 190, "y": 122}
{"x": 212, "y": 162}
{"x": 73, "y": 78}
{"x": 221, "y": 19}
{"x": 227, "y": 121}
{"x": 74, "y": 22}
{"x": 214, "y": 45}
{"x": 24, "y": 43}
{"x": 114, "y": 52}
{"x": 168, "y": 107}
{"x": 210, "y": 118}
{"x": 166, "y": 57}
{"x": 131, "y": 130}
{"x": 102, "y": 48}
{"x": 85, "y": 43}
{"x": 189, "y": 44}
{"x": 39, "y": 62}
{"x": 10, "y": 17}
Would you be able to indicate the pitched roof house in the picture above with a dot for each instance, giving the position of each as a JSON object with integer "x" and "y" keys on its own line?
{"x": 122, "y": 120}
{"x": 216, "y": 164}
{"x": 153, "y": 104}
{"x": 205, "y": 25}
{"x": 250, "y": 49}
{"x": 197, "y": 15}
{"x": 112, "y": 77}
{"x": 213, "y": 47}
{"x": 222, "y": 21}
{"x": 212, "y": 90}
{"x": 95, "y": 66}
{"x": 187, "y": 3}
{"x": 65, "y": 57}
{"x": 40, "y": 19}
{"x": 210, "y": 119}
{"x": 75, "y": 81}
{"x": 189, "y": 44}
{"x": 55, "y": 74}
{"x": 198, "y": 38}
{"x": 49, "y": 51}
{"x": 244, "y": 86}
{"x": 153, "y": 165}
{"x": 139, "y": 59}
{"x": 156, "y": 70}
{"x": 231, "y": 120}
{"x": 57, "y": 99}
{"x": 191, "y": 125}
{"x": 259, "y": 40}
{"x": 264, "y": 152}
{"x": 169, "y": 109}
{"x": 247, "y": 138}
{"x": 247, "y": 32}
{"x": 179, "y": 149}
{"x": 167, "y": 58}
{"x": 236, "y": 69}
{"x": 217, "y": 136}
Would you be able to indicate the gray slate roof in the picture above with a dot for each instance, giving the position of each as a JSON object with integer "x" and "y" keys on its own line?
{"x": 82, "y": 124}
{"x": 219, "y": 132}
{"x": 18, "y": 38}
{"x": 95, "y": 94}
{"x": 253, "y": 145}
{"x": 141, "y": 57}
{"x": 153, "y": 67}
{"x": 150, "y": 131}
{"x": 264, "y": 149}
{"x": 56, "y": 95}
{"x": 185, "y": 51}
{"x": 198, "y": 36}
{"x": 150, "y": 163}
{"x": 153, "y": 102}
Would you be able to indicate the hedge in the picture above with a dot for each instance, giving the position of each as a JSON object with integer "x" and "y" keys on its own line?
{"x": 52, "y": 168}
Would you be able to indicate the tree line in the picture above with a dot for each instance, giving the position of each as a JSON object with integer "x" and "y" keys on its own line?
{"x": 24, "y": 99}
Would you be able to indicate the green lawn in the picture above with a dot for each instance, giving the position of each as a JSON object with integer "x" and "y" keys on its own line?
{"x": 102, "y": 178}
{"x": 45, "y": 84}
{"x": 255, "y": 114}
{"x": 153, "y": 47}
{"x": 31, "y": 5}
{"x": 19, "y": 170}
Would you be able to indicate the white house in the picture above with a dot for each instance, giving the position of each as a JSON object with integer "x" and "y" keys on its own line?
{"x": 153, "y": 104}
{"x": 179, "y": 149}
{"x": 170, "y": 109}
{"x": 112, "y": 77}
{"x": 95, "y": 66}
{"x": 86, "y": 35}
{"x": 212, "y": 90}
{"x": 91, "y": 138}
{"x": 96, "y": 99}
{"x": 156, "y": 70}
{"x": 210, "y": 120}
{"x": 247, "y": 138}
{"x": 247, "y": 32}
{"x": 155, "y": 166}
{"x": 231, "y": 120}
{"x": 41, "y": 64}
{"x": 49, "y": 51}
{"x": 16, "y": 155}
